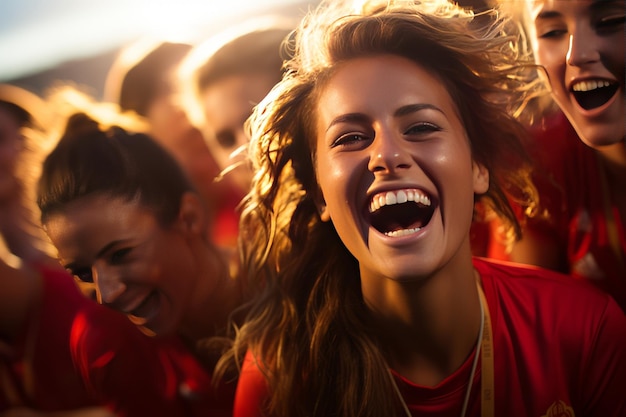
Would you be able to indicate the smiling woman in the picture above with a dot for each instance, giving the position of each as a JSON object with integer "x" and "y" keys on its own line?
{"x": 59, "y": 351}
{"x": 580, "y": 149}
{"x": 124, "y": 216}
{"x": 392, "y": 120}
{"x": 414, "y": 137}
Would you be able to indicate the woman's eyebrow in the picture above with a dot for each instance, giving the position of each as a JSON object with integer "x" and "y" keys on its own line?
{"x": 348, "y": 118}
{"x": 413, "y": 108}
{"x": 402, "y": 111}
{"x": 548, "y": 14}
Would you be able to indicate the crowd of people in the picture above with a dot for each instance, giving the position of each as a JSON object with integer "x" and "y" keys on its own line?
{"x": 384, "y": 208}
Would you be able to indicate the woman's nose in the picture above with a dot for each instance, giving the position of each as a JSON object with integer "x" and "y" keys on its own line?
{"x": 109, "y": 286}
{"x": 387, "y": 155}
{"x": 582, "y": 48}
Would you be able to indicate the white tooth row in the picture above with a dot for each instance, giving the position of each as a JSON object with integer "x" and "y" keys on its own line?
{"x": 398, "y": 197}
{"x": 403, "y": 232}
{"x": 590, "y": 85}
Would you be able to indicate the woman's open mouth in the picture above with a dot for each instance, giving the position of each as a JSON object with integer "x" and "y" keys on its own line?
{"x": 590, "y": 94}
{"x": 147, "y": 310}
{"x": 400, "y": 212}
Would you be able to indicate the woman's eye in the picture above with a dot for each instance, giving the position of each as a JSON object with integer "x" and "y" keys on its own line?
{"x": 422, "y": 128}
{"x": 348, "y": 139}
{"x": 610, "y": 24}
{"x": 226, "y": 139}
{"x": 83, "y": 274}
{"x": 119, "y": 255}
{"x": 551, "y": 34}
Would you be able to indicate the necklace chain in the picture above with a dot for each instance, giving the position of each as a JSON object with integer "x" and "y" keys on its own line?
{"x": 472, "y": 373}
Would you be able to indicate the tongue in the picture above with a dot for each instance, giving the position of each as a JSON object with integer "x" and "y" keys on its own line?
{"x": 394, "y": 227}
{"x": 409, "y": 215}
{"x": 595, "y": 98}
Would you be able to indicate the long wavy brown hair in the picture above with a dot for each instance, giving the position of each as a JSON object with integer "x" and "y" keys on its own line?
{"x": 308, "y": 326}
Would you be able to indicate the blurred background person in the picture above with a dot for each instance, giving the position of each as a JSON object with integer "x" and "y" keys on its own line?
{"x": 142, "y": 80}
{"x": 223, "y": 78}
{"x": 125, "y": 218}
{"x": 61, "y": 353}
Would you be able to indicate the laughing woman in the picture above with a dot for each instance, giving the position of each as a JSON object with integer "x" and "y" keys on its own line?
{"x": 392, "y": 121}
{"x": 125, "y": 218}
{"x": 61, "y": 354}
{"x": 581, "y": 148}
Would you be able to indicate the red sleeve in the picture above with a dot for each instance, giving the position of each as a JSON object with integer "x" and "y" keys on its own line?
{"x": 43, "y": 363}
{"x": 122, "y": 368}
{"x": 252, "y": 391}
{"x": 116, "y": 365}
{"x": 137, "y": 375}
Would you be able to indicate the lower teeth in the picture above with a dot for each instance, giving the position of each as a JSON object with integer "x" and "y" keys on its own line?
{"x": 403, "y": 232}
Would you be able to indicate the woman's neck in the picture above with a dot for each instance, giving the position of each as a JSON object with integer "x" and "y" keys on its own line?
{"x": 428, "y": 328}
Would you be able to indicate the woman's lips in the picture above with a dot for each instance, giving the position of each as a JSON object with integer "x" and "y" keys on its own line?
{"x": 401, "y": 212}
{"x": 146, "y": 311}
{"x": 594, "y": 93}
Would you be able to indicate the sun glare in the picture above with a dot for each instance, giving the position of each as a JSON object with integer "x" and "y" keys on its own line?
{"x": 105, "y": 25}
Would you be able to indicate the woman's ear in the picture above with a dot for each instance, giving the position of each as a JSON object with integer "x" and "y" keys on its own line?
{"x": 323, "y": 210}
{"x": 481, "y": 178}
{"x": 192, "y": 215}
{"x": 320, "y": 203}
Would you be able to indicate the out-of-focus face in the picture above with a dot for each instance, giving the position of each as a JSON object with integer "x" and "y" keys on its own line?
{"x": 581, "y": 45}
{"x": 11, "y": 144}
{"x": 227, "y": 104}
{"x": 138, "y": 267}
{"x": 171, "y": 127}
{"x": 395, "y": 168}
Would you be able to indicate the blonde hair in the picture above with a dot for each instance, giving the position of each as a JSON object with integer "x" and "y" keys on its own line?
{"x": 309, "y": 325}
{"x": 21, "y": 237}
{"x": 540, "y": 104}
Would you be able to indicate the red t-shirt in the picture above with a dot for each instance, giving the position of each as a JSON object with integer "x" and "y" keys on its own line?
{"x": 80, "y": 354}
{"x": 570, "y": 184}
{"x": 558, "y": 352}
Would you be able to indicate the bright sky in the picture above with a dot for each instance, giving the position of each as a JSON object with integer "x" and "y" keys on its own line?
{"x": 38, "y": 34}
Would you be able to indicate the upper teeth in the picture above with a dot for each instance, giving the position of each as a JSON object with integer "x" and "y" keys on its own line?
{"x": 590, "y": 85}
{"x": 398, "y": 197}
